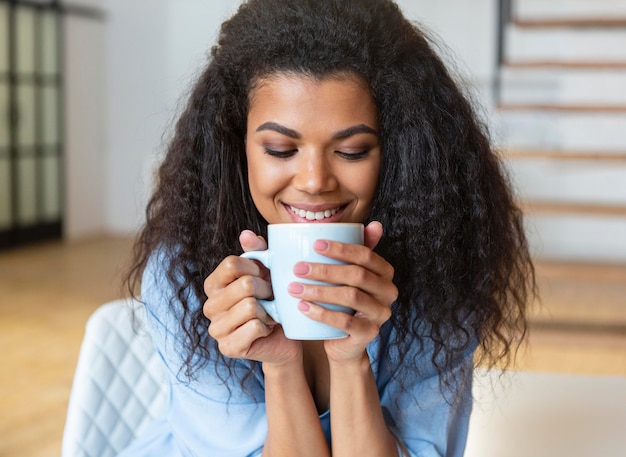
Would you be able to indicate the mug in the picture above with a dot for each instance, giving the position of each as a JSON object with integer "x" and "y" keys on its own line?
{"x": 287, "y": 245}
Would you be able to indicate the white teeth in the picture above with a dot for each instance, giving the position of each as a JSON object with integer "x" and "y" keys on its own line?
{"x": 313, "y": 215}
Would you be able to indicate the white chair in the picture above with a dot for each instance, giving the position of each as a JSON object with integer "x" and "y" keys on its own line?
{"x": 119, "y": 386}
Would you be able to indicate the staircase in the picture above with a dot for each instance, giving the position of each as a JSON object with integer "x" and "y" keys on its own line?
{"x": 561, "y": 117}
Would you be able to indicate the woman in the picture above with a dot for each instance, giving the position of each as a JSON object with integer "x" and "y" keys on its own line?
{"x": 337, "y": 111}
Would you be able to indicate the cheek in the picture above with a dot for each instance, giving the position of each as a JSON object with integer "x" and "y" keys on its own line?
{"x": 265, "y": 178}
{"x": 366, "y": 185}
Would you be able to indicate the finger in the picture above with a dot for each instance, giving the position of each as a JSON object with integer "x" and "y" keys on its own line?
{"x": 354, "y": 254}
{"x": 238, "y": 315}
{"x": 381, "y": 288}
{"x": 372, "y": 234}
{"x": 229, "y": 270}
{"x": 353, "y": 325}
{"x": 365, "y": 305}
{"x": 222, "y": 300}
{"x": 238, "y": 343}
{"x": 251, "y": 241}
{"x": 379, "y": 285}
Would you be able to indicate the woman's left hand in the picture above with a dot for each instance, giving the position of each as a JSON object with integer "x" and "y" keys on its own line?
{"x": 365, "y": 284}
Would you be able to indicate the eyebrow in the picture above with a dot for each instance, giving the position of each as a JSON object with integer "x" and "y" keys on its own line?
{"x": 341, "y": 135}
{"x": 280, "y": 129}
{"x": 354, "y": 130}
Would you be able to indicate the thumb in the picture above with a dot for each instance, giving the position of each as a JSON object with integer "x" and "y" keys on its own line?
{"x": 250, "y": 241}
{"x": 373, "y": 233}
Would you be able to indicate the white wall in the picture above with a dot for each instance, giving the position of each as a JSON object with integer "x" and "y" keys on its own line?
{"x": 466, "y": 27}
{"x": 153, "y": 54}
{"x": 153, "y": 51}
{"x": 85, "y": 148}
{"x": 136, "y": 67}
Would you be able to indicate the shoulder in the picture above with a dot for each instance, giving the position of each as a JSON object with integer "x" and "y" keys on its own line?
{"x": 162, "y": 286}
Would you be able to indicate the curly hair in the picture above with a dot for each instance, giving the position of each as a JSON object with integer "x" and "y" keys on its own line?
{"x": 453, "y": 232}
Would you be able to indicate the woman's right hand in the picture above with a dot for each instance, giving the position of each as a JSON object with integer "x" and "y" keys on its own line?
{"x": 239, "y": 324}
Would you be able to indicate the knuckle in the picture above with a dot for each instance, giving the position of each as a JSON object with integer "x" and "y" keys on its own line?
{"x": 390, "y": 271}
{"x": 360, "y": 274}
{"x": 314, "y": 293}
{"x": 206, "y": 309}
{"x": 248, "y": 285}
{"x": 348, "y": 323}
{"x": 340, "y": 248}
{"x": 210, "y": 308}
{"x": 207, "y": 285}
{"x": 213, "y": 331}
{"x": 229, "y": 349}
{"x": 322, "y": 270}
{"x": 322, "y": 313}
{"x": 259, "y": 328}
{"x": 351, "y": 294}
{"x": 368, "y": 256}
{"x": 250, "y": 306}
{"x": 224, "y": 348}
{"x": 230, "y": 264}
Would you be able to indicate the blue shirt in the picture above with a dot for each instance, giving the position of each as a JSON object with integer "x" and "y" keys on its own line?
{"x": 206, "y": 417}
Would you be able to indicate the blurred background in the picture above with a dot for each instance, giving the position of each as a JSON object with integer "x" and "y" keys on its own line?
{"x": 89, "y": 91}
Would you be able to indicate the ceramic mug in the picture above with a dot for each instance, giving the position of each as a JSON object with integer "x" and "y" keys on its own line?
{"x": 287, "y": 245}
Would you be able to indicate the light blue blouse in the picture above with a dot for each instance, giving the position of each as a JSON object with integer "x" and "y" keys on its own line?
{"x": 206, "y": 417}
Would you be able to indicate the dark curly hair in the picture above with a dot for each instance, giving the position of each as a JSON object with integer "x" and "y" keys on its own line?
{"x": 453, "y": 232}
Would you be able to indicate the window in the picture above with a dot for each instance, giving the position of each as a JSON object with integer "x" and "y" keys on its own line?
{"x": 31, "y": 113}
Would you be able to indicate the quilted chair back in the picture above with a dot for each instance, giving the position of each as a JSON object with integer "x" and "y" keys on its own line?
{"x": 119, "y": 386}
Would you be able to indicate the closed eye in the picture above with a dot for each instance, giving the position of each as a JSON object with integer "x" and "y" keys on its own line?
{"x": 281, "y": 154}
{"x": 353, "y": 155}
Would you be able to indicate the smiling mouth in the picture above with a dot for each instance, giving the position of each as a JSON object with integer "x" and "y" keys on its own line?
{"x": 313, "y": 215}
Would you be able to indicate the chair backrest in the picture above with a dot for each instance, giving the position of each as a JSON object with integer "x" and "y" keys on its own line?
{"x": 119, "y": 386}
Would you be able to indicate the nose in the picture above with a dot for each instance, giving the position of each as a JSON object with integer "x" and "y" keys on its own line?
{"x": 314, "y": 173}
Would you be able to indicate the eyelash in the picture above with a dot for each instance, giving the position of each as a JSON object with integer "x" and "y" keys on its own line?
{"x": 354, "y": 155}
{"x": 280, "y": 154}
{"x": 291, "y": 152}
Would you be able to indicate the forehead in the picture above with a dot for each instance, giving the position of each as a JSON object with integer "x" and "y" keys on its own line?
{"x": 289, "y": 95}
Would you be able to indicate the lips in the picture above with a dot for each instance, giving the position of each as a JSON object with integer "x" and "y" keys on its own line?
{"x": 314, "y": 215}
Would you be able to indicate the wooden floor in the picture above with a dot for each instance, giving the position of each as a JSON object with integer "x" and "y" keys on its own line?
{"x": 48, "y": 292}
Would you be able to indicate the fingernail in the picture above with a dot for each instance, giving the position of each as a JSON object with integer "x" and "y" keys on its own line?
{"x": 320, "y": 245}
{"x": 301, "y": 268}
{"x": 303, "y": 306}
{"x": 295, "y": 288}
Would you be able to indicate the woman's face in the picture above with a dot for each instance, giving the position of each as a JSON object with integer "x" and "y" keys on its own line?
{"x": 313, "y": 149}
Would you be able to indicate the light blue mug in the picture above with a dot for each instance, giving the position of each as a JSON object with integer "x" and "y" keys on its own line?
{"x": 287, "y": 245}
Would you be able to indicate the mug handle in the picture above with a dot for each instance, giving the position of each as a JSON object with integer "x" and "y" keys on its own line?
{"x": 268, "y": 305}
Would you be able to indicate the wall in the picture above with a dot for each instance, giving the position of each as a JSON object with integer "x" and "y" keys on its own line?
{"x": 136, "y": 68}
{"x": 153, "y": 54}
{"x": 85, "y": 127}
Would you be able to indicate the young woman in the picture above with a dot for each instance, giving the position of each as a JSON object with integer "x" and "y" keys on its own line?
{"x": 333, "y": 111}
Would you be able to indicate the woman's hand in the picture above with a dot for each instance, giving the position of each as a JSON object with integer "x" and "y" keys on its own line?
{"x": 239, "y": 323}
{"x": 365, "y": 284}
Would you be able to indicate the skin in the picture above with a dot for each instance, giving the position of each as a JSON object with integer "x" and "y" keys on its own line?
{"x": 312, "y": 146}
